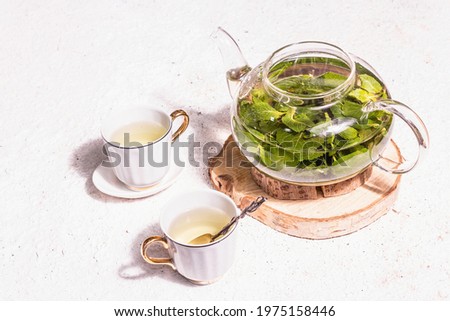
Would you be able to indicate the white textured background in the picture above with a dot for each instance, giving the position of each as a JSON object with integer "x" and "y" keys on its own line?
{"x": 64, "y": 65}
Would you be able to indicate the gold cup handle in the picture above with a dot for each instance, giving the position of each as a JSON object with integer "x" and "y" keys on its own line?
{"x": 183, "y": 126}
{"x": 156, "y": 260}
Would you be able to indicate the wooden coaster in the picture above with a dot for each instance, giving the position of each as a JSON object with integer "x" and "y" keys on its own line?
{"x": 285, "y": 191}
{"x": 320, "y": 218}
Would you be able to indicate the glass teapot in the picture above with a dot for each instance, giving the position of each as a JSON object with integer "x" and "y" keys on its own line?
{"x": 312, "y": 114}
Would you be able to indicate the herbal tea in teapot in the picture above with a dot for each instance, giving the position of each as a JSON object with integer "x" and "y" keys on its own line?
{"x": 299, "y": 135}
{"x": 312, "y": 113}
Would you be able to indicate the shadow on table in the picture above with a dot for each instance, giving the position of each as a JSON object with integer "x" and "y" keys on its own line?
{"x": 84, "y": 160}
{"x": 210, "y": 127}
{"x": 138, "y": 269}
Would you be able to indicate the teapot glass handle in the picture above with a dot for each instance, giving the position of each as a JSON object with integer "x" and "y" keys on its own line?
{"x": 413, "y": 121}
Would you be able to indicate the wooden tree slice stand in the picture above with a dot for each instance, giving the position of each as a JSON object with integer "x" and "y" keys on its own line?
{"x": 324, "y": 212}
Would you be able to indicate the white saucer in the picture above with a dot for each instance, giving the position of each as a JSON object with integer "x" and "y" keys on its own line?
{"x": 106, "y": 182}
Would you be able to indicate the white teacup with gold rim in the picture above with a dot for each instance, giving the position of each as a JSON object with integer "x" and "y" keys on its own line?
{"x": 138, "y": 144}
{"x": 185, "y": 218}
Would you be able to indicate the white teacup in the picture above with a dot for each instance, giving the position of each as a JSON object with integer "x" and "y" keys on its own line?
{"x": 200, "y": 264}
{"x": 142, "y": 165}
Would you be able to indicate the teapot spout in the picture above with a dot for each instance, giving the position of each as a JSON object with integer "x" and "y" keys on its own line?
{"x": 235, "y": 64}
